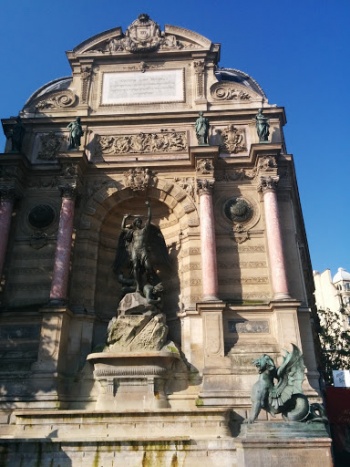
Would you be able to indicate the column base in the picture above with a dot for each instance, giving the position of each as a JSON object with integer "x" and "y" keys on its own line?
{"x": 282, "y": 296}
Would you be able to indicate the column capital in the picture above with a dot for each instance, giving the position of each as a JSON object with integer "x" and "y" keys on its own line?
{"x": 68, "y": 190}
{"x": 268, "y": 183}
{"x": 9, "y": 193}
{"x": 70, "y": 180}
{"x": 205, "y": 186}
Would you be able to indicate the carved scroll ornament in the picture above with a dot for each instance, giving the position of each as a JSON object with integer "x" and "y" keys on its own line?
{"x": 60, "y": 100}
{"x": 228, "y": 91}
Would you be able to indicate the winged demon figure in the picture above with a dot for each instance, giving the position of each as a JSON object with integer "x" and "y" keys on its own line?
{"x": 279, "y": 390}
{"x": 141, "y": 251}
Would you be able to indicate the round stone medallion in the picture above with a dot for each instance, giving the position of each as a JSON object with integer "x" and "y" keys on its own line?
{"x": 41, "y": 216}
{"x": 238, "y": 210}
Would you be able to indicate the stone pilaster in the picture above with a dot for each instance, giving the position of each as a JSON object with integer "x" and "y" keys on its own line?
{"x": 268, "y": 186}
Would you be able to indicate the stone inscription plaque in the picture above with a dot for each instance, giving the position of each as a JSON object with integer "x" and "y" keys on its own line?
{"x": 141, "y": 88}
{"x": 242, "y": 327}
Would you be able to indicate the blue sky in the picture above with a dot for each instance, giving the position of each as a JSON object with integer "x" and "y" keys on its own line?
{"x": 298, "y": 51}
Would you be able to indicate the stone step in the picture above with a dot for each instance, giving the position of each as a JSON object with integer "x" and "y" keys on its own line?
{"x": 64, "y": 424}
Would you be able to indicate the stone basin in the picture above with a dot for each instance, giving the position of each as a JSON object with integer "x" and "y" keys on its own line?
{"x": 133, "y": 380}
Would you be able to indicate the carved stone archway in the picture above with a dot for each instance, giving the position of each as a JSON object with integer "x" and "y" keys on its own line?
{"x": 94, "y": 285}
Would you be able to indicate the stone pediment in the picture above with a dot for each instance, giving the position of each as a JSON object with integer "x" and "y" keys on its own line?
{"x": 143, "y": 35}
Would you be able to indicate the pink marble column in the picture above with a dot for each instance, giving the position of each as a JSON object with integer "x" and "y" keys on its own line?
{"x": 274, "y": 238}
{"x": 6, "y": 208}
{"x": 208, "y": 243}
{"x": 59, "y": 284}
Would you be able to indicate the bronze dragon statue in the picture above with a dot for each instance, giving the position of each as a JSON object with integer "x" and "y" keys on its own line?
{"x": 285, "y": 396}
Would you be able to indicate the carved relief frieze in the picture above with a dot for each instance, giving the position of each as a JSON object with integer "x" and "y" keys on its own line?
{"x": 233, "y": 175}
{"x": 50, "y": 146}
{"x": 229, "y": 92}
{"x": 59, "y": 100}
{"x": 139, "y": 179}
{"x": 42, "y": 183}
{"x": 141, "y": 143}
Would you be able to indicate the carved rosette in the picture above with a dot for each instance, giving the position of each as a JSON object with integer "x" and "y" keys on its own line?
{"x": 268, "y": 183}
{"x": 59, "y": 100}
{"x": 139, "y": 179}
{"x": 50, "y": 146}
{"x": 142, "y": 143}
{"x": 229, "y": 92}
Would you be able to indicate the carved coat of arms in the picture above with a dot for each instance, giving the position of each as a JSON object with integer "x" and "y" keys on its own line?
{"x": 143, "y": 35}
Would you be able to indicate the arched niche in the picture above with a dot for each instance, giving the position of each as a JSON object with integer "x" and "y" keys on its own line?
{"x": 173, "y": 211}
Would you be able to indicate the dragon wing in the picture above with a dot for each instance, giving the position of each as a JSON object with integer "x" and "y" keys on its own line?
{"x": 290, "y": 377}
{"x": 157, "y": 248}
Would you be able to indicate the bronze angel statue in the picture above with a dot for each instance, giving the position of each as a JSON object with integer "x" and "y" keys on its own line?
{"x": 279, "y": 390}
{"x": 141, "y": 250}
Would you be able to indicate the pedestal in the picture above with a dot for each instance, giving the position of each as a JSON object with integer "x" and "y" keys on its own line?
{"x": 284, "y": 444}
{"x": 132, "y": 381}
